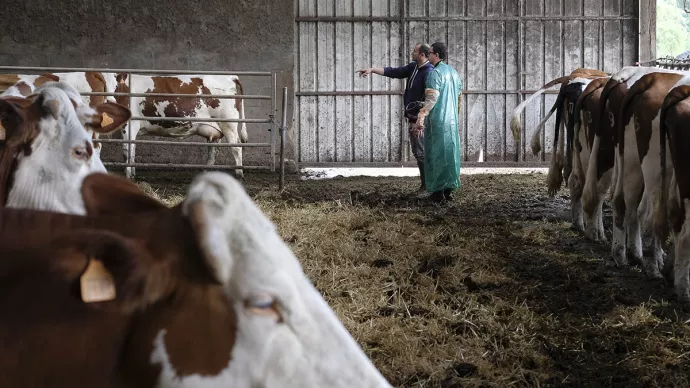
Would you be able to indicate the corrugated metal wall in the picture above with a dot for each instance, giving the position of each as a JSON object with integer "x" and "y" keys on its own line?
{"x": 501, "y": 48}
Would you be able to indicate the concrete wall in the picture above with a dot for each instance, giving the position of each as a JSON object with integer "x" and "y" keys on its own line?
{"x": 175, "y": 34}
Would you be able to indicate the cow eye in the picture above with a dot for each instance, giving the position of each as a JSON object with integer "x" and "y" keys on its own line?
{"x": 81, "y": 152}
{"x": 263, "y": 304}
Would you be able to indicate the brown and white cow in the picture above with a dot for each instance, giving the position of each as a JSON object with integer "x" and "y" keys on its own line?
{"x": 596, "y": 112}
{"x": 638, "y": 189}
{"x": 571, "y": 87}
{"x": 23, "y": 84}
{"x": 674, "y": 119}
{"x": 90, "y": 81}
{"x": 582, "y": 151}
{"x": 183, "y": 107}
{"x": 206, "y": 294}
{"x": 47, "y": 148}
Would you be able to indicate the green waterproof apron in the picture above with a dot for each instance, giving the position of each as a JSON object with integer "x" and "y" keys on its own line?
{"x": 441, "y": 138}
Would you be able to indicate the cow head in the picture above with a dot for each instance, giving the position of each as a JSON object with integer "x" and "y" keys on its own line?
{"x": 237, "y": 310}
{"x": 287, "y": 335}
{"x": 53, "y": 129}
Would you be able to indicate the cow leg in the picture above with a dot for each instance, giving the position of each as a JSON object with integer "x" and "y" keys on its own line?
{"x": 674, "y": 211}
{"x": 576, "y": 202}
{"x": 633, "y": 179}
{"x": 575, "y": 183}
{"x": 618, "y": 240}
{"x": 554, "y": 177}
{"x": 590, "y": 195}
{"x": 232, "y": 136}
{"x": 237, "y": 155}
{"x": 211, "y": 160}
{"x": 593, "y": 194}
{"x": 682, "y": 259}
{"x": 130, "y": 131}
{"x": 654, "y": 221}
{"x": 599, "y": 232}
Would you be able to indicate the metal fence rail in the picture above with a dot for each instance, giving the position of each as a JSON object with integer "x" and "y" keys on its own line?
{"x": 270, "y": 120}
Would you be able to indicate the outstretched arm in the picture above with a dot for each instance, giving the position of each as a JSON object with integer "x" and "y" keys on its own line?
{"x": 375, "y": 70}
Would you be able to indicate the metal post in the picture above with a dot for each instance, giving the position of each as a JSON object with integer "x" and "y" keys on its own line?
{"x": 273, "y": 122}
{"x": 283, "y": 128}
{"x": 129, "y": 132}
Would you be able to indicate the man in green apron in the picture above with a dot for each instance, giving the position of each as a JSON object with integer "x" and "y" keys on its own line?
{"x": 438, "y": 121}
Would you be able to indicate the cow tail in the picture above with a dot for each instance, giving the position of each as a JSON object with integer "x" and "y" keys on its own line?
{"x": 517, "y": 112}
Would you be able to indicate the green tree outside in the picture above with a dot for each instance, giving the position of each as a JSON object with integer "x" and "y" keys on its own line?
{"x": 672, "y": 28}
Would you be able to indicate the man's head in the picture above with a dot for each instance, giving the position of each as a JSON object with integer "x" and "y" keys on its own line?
{"x": 438, "y": 53}
{"x": 420, "y": 54}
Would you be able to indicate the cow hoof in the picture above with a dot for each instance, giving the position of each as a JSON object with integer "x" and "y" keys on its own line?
{"x": 653, "y": 274}
{"x": 632, "y": 259}
{"x": 612, "y": 263}
{"x": 577, "y": 228}
{"x": 618, "y": 257}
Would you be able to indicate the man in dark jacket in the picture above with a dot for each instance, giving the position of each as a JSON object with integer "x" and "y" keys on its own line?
{"x": 416, "y": 73}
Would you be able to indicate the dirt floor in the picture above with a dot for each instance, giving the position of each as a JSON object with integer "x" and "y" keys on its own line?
{"x": 491, "y": 290}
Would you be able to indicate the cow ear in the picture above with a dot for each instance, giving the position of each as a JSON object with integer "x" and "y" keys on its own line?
{"x": 209, "y": 199}
{"x": 110, "y": 117}
{"x": 11, "y": 117}
{"x": 111, "y": 194}
{"x": 118, "y": 268}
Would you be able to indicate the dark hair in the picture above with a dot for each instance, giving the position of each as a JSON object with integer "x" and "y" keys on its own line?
{"x": 441, "y": 50}
{"x": 424, "y": 49}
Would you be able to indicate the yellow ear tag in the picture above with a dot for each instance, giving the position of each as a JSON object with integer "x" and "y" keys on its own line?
{"x": 97, "y": 284}
{"x": 2, "y": 132}
{"x": 106, "y": 120}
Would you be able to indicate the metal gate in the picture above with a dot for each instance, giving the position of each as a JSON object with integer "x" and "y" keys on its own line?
{"x": 503, "y": 50}
{"x": 271, "y": 119}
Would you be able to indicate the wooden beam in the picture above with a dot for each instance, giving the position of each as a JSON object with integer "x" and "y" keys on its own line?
{"x": 647, "y": 30}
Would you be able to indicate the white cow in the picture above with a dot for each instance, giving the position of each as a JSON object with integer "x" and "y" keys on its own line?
{"x": 299, "y": 341}
{"x": 213, "y": 132}
{"x": 48, "y": 147}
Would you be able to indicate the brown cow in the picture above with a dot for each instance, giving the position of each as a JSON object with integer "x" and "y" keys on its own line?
{"x": 206, "y": 295}
{"x": 674, "y": 119}
{"x": 638, "y": 180}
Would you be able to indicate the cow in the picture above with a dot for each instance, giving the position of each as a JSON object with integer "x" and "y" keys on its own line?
{"x": 48, "y": 149}
{"x": 23, "y": 81}
{"x": 90, "y": 81}
{"x": 675, "y": 201}
{"x": 596, "y": 112}
{"x": 580, "y": 152}
{"x": 637, "y": 190}
{"x": 571, "y": 86}
{"x": 183, "y": 107}
{"x": 136, "y": 294}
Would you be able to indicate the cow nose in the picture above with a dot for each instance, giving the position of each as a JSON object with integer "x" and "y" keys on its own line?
{"x": 83, "y": 151}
